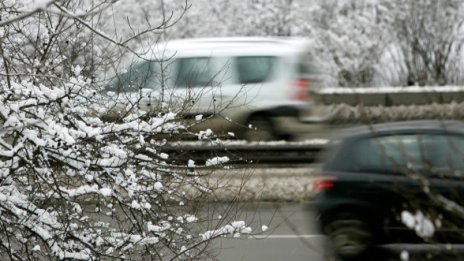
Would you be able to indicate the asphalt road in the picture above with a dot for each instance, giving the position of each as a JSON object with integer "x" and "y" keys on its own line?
{"x": 293, "y": 235}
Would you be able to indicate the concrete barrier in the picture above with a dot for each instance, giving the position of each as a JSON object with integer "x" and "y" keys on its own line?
{"x": 389, "y": 96}
{"x": 373, "y": 105}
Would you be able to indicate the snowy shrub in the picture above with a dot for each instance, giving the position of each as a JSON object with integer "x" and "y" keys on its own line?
{"x": 72, "y": 185}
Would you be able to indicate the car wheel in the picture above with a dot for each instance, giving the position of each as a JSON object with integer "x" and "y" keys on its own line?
{"x": 349, "y": 237}
{"x": 259, "y": 128}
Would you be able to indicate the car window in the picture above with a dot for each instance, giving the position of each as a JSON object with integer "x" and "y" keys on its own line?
{"x": 415, "y": 152}
{"x": 445, "y": 152}
{"x": 136, "y": 77}
{"x": 304, "y": 69}
{"x": 194, "y": 72}
{"x": 254, "y": 69}
{"x": 386, "y": 152}
{"x": 308, "y": 69}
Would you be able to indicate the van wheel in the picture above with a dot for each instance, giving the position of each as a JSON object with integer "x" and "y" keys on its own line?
{"x": 259, "y": 128}
{"x": 349, "y": 237}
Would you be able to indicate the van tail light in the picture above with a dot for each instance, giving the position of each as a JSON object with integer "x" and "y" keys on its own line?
{"x": 323, "y": 183}
{"x": 300, "y": 89}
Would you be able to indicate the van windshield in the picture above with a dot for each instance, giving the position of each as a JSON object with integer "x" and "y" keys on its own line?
{"x": 137, "y": 76}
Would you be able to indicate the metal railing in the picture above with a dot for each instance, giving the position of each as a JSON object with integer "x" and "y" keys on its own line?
{"x": 273, "y": 153}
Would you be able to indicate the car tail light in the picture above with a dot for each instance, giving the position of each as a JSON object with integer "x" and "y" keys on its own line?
{"x": 323, "y": 183}
{"x": 300, "y": 89}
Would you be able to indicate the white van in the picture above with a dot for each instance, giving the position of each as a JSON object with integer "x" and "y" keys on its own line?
{"x": 246, "y": 86}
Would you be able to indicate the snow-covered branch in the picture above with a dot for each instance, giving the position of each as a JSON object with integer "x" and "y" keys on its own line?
{"x": 74, "y": 185}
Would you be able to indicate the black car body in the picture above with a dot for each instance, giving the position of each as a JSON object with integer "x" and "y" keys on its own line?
{"x": 397, "y": 182}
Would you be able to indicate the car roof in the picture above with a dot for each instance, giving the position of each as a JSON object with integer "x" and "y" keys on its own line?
{"x": 231, "y": 46}
{"x": 418, "y": 126}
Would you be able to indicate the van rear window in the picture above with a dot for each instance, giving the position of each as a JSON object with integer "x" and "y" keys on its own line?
{"x": 194, "y": 72}
{"x": 254, "y": 69}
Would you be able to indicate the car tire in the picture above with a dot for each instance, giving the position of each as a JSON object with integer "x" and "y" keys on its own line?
{"x": 349, "y": 236}
{"x": 259, "y": 128}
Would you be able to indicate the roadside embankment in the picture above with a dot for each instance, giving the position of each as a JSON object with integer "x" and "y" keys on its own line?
{"x": 260, "y": 184}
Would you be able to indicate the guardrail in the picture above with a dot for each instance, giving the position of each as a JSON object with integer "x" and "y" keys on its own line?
{"x": 275, "y": 153}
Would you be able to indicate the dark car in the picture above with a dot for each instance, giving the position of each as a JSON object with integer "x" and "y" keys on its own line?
{"x": 397, "y": 182}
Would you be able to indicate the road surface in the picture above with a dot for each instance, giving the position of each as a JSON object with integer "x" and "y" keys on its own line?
{"x": 293, "y": 235}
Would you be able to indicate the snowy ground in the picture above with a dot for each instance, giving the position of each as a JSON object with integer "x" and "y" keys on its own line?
{"x": 261, "y": 184}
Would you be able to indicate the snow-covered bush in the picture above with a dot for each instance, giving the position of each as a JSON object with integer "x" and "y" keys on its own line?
{"x": 425, "y": 47}
{"x": 73, "y": 186}
{"x": 350, "y": 37}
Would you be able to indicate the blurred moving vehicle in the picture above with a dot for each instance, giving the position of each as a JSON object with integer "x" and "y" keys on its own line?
{"x": 400, "y": 182}
{"x": 254, "y": 87}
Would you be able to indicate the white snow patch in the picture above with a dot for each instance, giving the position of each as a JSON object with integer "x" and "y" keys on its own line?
{"x": 106, "y": 192}
{"x": 235, "y": 228}
{"x": 89, "y": 177}
{"x": 217, "y": 161}
{"x": 183, "y": 249}
{"x": 153, "y": 228}
{"x": 143, "y": 157}
{"x": 408, "y": 219}
{"x": 404, "y": 256}
{"x": 82, "y": 190}
{"x": 264, "y": 228}
{"x": 423, "y": 226}
{"x": 136, "y": 205}
{"x": 99, "y": 241}
{"x": 191, "y": 163}
{"x": 190, "y": 219}
{"x": 205, "y": 134}
{"x": 158, "y": 186}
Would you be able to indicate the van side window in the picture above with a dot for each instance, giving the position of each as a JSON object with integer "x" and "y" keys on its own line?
{"x": 254, "y": 69}
{"x": 194, "y": 72}
{"x": 137, "y": 76}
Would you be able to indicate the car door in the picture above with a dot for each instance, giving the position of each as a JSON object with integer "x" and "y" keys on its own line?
{"x": 364, "y": 182}
{"x": 377, "y": 167}
{"x": 445, "y": 161}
